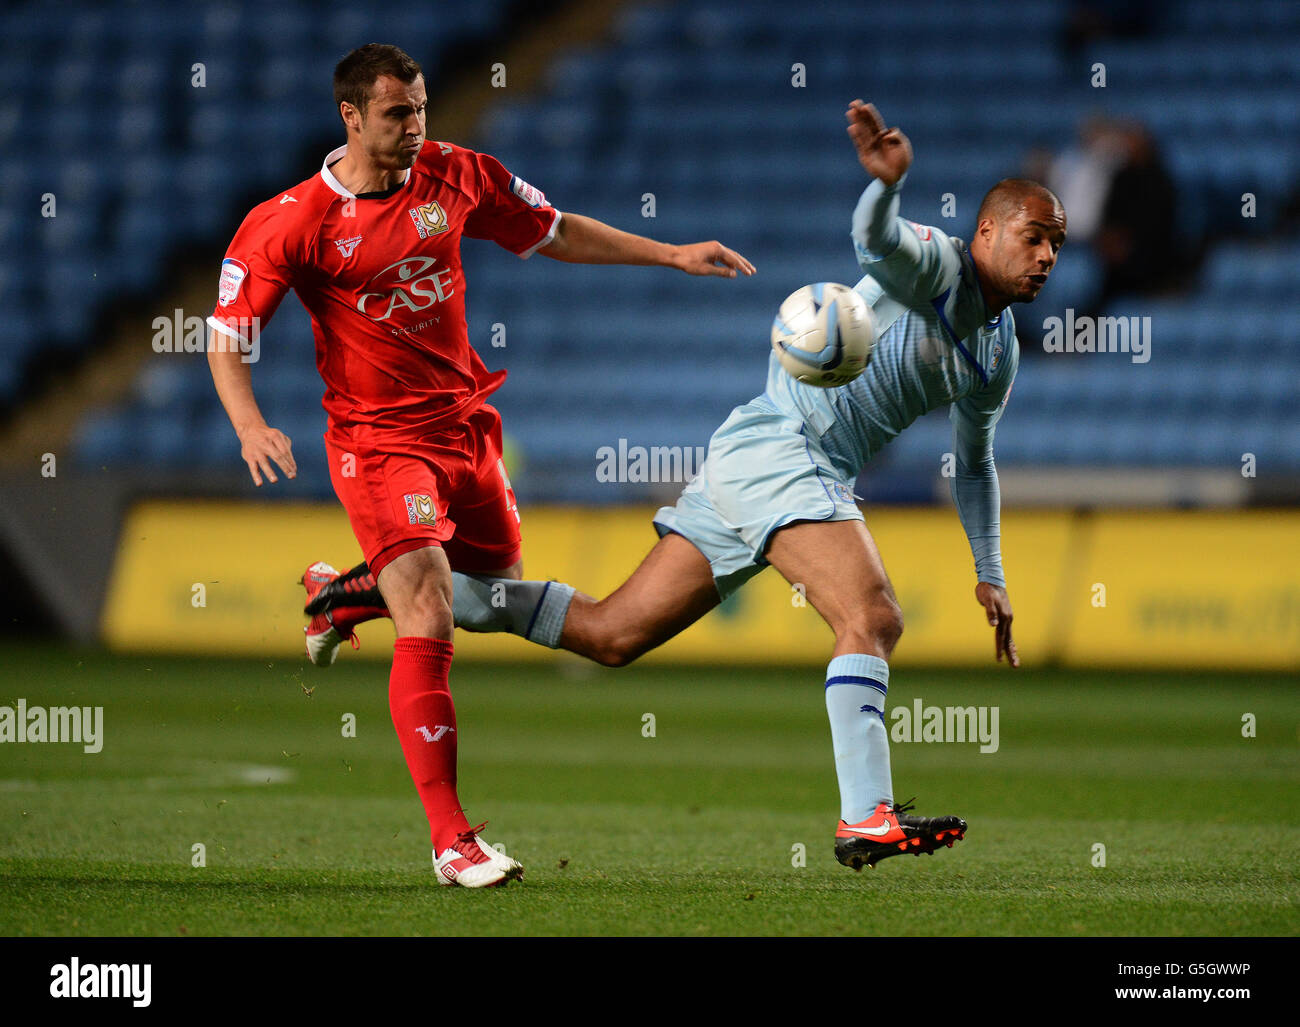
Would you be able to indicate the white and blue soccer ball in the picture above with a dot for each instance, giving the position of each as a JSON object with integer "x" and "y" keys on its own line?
{"x": 824, "y": 334}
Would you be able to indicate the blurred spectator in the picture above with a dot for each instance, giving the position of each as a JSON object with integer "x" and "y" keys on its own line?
{"x": 1081, "y": 175}
{"x": 1119, "y": 199}
{"x": 1137, "y": 238}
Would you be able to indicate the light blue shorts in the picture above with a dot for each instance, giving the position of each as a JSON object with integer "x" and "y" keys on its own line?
{"x": 763, "y": 471}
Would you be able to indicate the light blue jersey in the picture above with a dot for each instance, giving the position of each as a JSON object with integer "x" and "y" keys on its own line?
{"x": 940, "y": 348}
{"x": 792, "y": 453}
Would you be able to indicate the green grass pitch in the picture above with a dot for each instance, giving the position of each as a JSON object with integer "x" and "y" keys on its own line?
{"x": 697, "y": 830}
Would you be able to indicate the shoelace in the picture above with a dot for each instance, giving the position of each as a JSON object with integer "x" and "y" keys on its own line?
{"x": 351, "y": 636}
{"x": 468, "y": 837}
{"x": 910, "y": 804}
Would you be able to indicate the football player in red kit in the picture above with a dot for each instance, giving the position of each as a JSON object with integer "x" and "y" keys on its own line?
{"x": 371, "y": 244}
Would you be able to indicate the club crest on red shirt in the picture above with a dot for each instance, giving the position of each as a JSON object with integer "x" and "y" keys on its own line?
{"x": 429, "y": 218}
{"x": 419, "y": 509}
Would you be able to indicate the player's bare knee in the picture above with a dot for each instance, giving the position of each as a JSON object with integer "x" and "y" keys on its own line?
{"x": 607, "y": 637}
{"x": 885, "y": 621}
{"x": 619, "y": 644}
{"x": 426, "y": 613}
{"x": 608, "y": 656}
{"x": 620, "y": 649}
{"x": 873, "y": 628}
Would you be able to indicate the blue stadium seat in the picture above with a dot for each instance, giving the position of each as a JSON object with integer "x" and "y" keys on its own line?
{"x": 693, "y": 102}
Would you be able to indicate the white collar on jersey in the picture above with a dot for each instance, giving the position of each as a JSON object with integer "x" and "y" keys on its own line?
{"x": 332, "y": 182}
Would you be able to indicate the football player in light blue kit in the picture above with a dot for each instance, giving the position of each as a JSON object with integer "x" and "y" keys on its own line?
{"x": 776, "y": 486}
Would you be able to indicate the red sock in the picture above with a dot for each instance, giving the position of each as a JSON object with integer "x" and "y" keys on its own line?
{"x": 425, "y": 719}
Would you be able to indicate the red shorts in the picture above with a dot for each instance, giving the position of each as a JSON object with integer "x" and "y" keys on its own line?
{"x": 448, "y": 489}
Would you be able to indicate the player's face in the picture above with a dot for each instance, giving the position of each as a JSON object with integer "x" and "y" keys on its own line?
{"x": 392, "y": 128}
{"x": 1025, "y": 249}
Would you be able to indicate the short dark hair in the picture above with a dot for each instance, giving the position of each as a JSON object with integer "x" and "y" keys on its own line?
{"x": 357, "y": 72}
{"x": 1002, "y": 201}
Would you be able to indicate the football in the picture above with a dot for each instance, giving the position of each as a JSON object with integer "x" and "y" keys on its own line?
{"x": 824, "y": 334}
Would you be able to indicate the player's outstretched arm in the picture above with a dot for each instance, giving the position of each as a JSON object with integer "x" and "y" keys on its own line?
{"x": 260, "y": 444}
{"x": 584, "y": 240}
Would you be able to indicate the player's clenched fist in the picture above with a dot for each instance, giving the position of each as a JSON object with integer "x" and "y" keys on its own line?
{"x": 885, "y": 153}
{"x": 262, "y": 445}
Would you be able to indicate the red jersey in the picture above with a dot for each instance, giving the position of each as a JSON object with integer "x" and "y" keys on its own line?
{"x": 382, "y": 279}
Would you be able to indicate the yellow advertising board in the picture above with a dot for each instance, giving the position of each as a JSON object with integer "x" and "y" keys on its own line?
{"x": 214, "y": 577}
{"x": 1187, "y": 588}
{"x": 1218, "y": 589}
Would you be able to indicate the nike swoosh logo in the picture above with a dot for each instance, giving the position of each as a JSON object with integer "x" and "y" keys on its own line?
{"x": 287, "y": 199}
{"x": 875, "y": 832}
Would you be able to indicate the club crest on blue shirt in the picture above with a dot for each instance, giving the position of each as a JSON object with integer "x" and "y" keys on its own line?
{"x": 842, "y": 493}
{"x": 997, "y": 356}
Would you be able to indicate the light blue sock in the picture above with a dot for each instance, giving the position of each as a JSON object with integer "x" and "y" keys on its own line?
{"x": 856, "y": 686}
{"x": 534, "y": 610}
